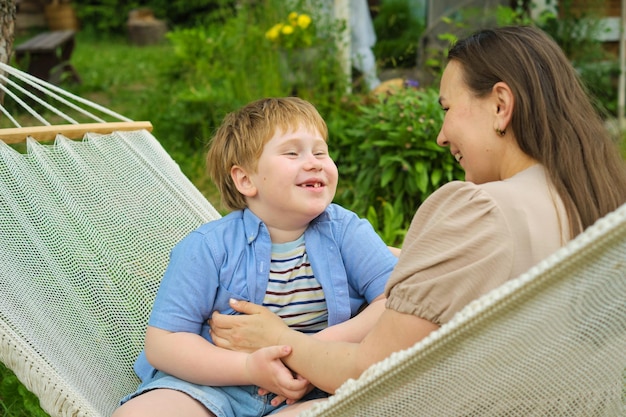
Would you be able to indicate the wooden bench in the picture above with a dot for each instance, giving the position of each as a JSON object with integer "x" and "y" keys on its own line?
{"x": 47, "y": 55}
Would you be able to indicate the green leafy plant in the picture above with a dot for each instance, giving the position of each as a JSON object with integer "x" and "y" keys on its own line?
{"x": 389, "y": 224}
{"x": 108, "y": 17}
{"x": 577, "y": 31}
{"x": 188, "y": 13}
{"x": 398, "y": 33}
{"x": 15, "y": 399}
{"x": 104, "y": 17}
{"x": 212, "y": 79}
{"x": 228, "y": 62}
{"x": 461, "y": 23}
{"x": 391, "y": 159}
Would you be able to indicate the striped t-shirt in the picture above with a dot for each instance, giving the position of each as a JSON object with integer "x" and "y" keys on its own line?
{"x": 293, "y": 292}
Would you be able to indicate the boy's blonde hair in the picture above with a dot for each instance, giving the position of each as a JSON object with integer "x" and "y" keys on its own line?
{"x": 243, "y": 133}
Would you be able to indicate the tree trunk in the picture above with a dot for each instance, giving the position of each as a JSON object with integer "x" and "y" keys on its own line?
{"x": 621, "y": 93}
{"x": 7, "y": 26}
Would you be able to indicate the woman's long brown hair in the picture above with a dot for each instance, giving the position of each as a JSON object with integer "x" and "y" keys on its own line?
{"x": 553, "y": 119}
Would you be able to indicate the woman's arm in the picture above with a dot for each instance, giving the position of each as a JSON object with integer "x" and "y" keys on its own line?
{"x": 190, "y": 357}
{"x": 325, "y": 364}
{"x": 395, "y": 251}
{"x": 355, "y": 329}
{"x": 358, "y": 326}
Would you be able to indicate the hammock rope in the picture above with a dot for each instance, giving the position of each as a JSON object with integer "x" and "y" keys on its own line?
{"x": 81, "y": 116}
{"x": 56, "y": 93}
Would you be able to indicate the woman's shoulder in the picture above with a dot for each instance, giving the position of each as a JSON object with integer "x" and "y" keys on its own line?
{"x": 524, "y": 188}
{"x": 458, "y": 244}
{"x": 458, "y": 190}
{"x": 458, "y": 196}
{"x": 457, "y": 207}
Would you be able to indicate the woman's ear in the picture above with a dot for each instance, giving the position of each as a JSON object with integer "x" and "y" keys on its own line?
{"x": 242, "y": 181}
{"x": 505, "y": 103}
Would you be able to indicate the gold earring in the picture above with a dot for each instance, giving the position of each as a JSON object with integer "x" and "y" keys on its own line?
{"x": 500, "y": 132}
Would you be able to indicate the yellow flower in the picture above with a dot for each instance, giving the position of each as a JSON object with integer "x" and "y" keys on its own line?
{"x": 304, "y": 20}
{"x": 274, "y": 32}
{"x": 297, "y": 31}
{"x": 293, "y": 18}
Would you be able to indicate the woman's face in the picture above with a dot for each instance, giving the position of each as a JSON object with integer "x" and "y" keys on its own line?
{"x": 469, "y": 128}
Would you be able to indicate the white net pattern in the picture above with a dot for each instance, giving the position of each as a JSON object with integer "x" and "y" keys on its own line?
{"x": 86, "y": 230}
{"x": 550, "y": 343}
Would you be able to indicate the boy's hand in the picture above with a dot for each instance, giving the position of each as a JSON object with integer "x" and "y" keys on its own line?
{"x": 279, "y": 399}
{"x": 266, "y": 370}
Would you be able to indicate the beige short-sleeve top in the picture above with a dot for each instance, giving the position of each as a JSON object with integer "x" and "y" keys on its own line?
{"x": 467, "y": 239}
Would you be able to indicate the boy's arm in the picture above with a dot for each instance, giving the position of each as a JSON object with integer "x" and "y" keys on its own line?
{"x": 190, "y": 357}
{"x": 355, "y": 329}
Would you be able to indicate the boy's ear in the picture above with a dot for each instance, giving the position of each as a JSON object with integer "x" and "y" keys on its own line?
{"x": 242, "y": 181}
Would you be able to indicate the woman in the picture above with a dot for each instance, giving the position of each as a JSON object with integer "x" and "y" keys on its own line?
{"x": 540, "y": 168}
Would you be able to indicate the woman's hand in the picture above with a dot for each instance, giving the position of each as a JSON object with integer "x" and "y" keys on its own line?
{"x": 256, "y": 328}
{"x": 257, "y": 331}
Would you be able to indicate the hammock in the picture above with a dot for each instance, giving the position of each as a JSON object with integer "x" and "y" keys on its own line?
{"x": 86, "y": 230}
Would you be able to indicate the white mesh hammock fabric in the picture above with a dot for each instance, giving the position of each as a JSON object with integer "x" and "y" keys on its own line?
{"x": 86, "y": 228}
{"x": 85, "y": 233}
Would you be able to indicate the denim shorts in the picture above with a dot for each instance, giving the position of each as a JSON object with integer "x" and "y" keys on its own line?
{"x": 229, "y": 401}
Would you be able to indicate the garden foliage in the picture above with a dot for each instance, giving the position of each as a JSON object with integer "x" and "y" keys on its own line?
{"x": 229, "y": 61}
{"x": 108, "y": 17}
{"x": 297, "y": 31}
{"x": 398, "y": 33}
{"x": 389, "y": 161}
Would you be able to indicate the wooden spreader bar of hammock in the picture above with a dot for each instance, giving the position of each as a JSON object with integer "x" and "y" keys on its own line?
{"x": 71, "y": 131}
{"x": 78, "y": 115}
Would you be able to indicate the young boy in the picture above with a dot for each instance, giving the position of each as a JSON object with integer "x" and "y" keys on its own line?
{"x": 284, "y": 245}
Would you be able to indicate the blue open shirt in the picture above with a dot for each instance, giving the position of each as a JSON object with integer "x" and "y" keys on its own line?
{"x": 230, "y": 258}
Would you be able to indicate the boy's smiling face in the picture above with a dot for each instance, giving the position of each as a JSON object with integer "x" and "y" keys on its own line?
{"x": 295, "y": 180}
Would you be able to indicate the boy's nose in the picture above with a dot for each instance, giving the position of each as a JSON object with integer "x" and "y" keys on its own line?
{"x": 313, "y": 162}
